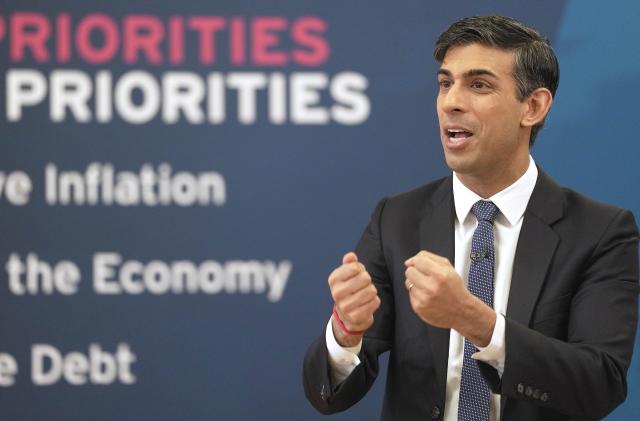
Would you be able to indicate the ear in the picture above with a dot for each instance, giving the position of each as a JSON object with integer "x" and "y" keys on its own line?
{"x": 538, "y": 105}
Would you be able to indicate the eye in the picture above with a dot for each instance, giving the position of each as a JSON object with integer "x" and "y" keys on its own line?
{"x": 444, "y": 83}
{"x": 479, "y": 84}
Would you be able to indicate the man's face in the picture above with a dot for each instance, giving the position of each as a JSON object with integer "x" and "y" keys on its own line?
{"x": 480, "y": 114}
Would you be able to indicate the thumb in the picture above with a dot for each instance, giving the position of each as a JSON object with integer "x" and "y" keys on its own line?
{"x": 349, "y": 258}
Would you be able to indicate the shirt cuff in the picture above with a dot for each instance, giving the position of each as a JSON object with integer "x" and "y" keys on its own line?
{"x": 494, "y": 353}
{"x": 342, "y": 361}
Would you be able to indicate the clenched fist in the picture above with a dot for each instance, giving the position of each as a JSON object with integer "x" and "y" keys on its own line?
{"x": 356, "y": 299}
{"x": 439, "y": 297}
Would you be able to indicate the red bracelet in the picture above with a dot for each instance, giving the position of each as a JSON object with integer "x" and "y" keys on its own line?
{"x": 343, "y": 327}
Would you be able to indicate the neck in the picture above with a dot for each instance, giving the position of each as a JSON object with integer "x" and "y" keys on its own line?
{"x": 486, "y": 185}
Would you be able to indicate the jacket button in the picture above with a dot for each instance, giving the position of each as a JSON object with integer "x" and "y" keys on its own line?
{"x": 520, "y": 388}
{"x": 536, "y": 394}
{"x": 528, "y": 391}
{"x": 435, "y": 412}
{"x": 544, "y": 397}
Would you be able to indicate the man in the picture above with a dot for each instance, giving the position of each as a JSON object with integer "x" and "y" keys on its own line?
{"x": 499, "y": 294}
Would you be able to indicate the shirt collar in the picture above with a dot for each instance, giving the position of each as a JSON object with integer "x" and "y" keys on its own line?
{"x": 512, "y": 201}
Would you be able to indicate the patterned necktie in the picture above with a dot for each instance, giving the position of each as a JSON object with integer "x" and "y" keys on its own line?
{"x": 474, "y": 392}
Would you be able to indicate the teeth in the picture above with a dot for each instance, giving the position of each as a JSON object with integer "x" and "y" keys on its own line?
{"x": 453, "y": 135}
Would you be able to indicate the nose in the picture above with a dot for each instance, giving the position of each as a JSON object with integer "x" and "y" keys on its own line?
{"x": 453, "y": 99}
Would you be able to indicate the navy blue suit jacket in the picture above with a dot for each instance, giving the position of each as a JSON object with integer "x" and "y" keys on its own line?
{"x": 570, "y": 322}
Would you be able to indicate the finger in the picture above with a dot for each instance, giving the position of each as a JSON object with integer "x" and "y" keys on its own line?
{"x": 430, "y": 264}
{"x": 414, "y": 275}
{"x": 365, "y": 311}
{"x": 341, "y": 290}
{"x": 418, "y": 281}
{"x": 409, "y": 284}
{"x": 358, "y": 298}
{"x": 345, "y": 272}
{"x": 412, "y": 260}
{"x": 417, "y": 299}
{"x": 349, "y": 258}
{"x": 362, "y": 317}
{"x": 418, "y": 296}
{"x": 423, "y": 255}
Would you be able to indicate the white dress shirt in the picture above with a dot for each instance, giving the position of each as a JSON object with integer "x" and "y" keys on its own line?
{"x": 512, "y": 202}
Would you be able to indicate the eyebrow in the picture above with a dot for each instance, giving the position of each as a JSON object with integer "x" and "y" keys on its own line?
{"x": 470, "y": 73}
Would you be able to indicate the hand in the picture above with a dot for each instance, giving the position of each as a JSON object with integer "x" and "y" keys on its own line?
{"x": 439, "y": 297}
{"x": 356, "y": 299}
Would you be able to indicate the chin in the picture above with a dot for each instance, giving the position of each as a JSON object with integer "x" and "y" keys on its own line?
{"x": 454, "y": 163}
{"x": 462, "y": 167}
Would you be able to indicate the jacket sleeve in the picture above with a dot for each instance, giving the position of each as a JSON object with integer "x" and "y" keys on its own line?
{"x": 324, "y": 396}
{"x": 582, "y": 375}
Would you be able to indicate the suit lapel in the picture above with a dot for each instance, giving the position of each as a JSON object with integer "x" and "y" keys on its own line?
{"x": 536, "y": 245}
{"x": 437, "y": 236}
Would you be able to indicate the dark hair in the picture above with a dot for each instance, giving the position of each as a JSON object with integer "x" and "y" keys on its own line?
{"x": 535, "y": 66}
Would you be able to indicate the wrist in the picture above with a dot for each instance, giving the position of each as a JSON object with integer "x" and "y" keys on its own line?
{"x": 342, "y": 338}
{"x": 478, "y": 323}
{"x": 342, "y": 326}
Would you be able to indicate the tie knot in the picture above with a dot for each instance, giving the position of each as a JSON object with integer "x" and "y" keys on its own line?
{"x": 485, "y": 211}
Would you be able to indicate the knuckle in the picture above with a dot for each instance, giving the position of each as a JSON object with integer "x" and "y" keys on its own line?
{"x": 353, "y": 272}
{"x": 333, "y": 296}
{"x": 343, "y": 271}
{"x": 432, "y": 289}
{"x": 331, "y": 280}
{"x": 337, "y": 276}
{"x": 336, "y": 298}
{"x": 347, "y": 311}
{"x": 369, "y": 296}
{"x": 369, "y": 313}
{"x": 354, "y": 314}
{"x": 338, "y": 294}
{"x": 363, "y": 283}
{"x": 412, "y": 301}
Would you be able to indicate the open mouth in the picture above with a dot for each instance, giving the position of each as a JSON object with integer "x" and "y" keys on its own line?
{"x": 458, "y": 135}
